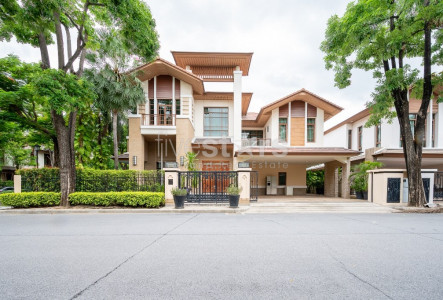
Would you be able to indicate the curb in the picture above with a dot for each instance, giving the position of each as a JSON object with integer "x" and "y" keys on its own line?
{"x": 167, "y": 210}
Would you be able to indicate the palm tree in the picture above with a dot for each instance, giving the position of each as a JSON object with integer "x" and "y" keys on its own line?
{"x": 117, "y": 90}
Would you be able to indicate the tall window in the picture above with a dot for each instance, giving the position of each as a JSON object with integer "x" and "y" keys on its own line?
{"x": 412, "y": 121}
{"x": 216, "y": 121}
{"x": 283, "y": 129}
{"x": 251, "y": 134}
{"x": 311, "y": 130}
{"x": 281, "y": 178}
{"x": 177, "y": 107}
{"x": 360, "y": 137}
{"x": 378, "y": 135}
{"x": 350, "y": 139}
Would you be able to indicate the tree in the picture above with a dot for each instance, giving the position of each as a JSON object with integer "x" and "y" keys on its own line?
{"x": 21, "y": 105}
{"x": 117, "y": 89}
{"x": 379, "y": 36}
{"x": 40, "y": 23}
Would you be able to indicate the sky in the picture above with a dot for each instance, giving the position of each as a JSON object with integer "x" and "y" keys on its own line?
{"x": 284, "y": 36}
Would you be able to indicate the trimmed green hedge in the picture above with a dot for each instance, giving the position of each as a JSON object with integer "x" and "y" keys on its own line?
{"x": 91, "y": 180}
{"x": 6, "y": 183}
{"x": 33, "y": 199}
{"x": 133, "y": 199}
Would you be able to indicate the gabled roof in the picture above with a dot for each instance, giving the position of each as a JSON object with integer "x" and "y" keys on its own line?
{"x": 246, "y": 98}
{"x": 358, "y": 116}
{"x": 329, "y": 108}
{"x": 214, "y": 66}
{"x": 164, "y": 67}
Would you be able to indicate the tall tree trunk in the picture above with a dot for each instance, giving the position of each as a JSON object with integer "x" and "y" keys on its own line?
{"x": 66, "y": 154}
{"x": 56, "y": 159}
{"x": 115, "y": 137}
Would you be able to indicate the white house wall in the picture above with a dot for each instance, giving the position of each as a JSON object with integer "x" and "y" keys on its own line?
{"x": 337, "y": 138}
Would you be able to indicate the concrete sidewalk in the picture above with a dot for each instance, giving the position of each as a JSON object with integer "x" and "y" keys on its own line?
{"x": 318, "y": 207}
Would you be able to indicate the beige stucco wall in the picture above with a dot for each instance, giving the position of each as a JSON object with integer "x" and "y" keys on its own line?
{"x": 295, "y": 173}
{"x": 185, "y": 134}
{"x": 136, "y": 144}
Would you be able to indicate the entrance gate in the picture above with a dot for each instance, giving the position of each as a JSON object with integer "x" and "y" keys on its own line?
{"x": 207, "y": 186}
{"x": 438, "y": 186}
{"x": 254, "y": 186}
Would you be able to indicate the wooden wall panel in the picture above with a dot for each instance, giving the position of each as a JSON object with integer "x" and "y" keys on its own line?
{"x": 164, "y": 87}
{"x": 414, "y": 106}
{"x": 297, "y": 131}
{"x": 151, "y": 89}
{"x": 297, "y": 108}
{"x": 177, "y": 89}
{"x": 283, "y": 110}
{"x": 312, "y": 111}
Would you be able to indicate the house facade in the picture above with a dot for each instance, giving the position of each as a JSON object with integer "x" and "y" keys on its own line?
{"x": 278, "y": 143}
{"x": 383, "y": 142}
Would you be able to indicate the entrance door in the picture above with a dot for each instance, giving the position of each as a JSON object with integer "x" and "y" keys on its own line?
{"x": 164, "y": 112}
{"x": 212, "y": 183}
{"x": 427, "y": 185}
{"x": 393, "y": 190}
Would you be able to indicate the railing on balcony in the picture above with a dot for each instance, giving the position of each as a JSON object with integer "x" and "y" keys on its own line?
{"x": 158, "y": 120}
{"x": 255, "y": 142}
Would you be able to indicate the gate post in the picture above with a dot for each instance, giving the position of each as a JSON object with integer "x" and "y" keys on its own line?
{"x": 244, "y": 182}
{"x": 171, "y": 182}
{"x": 17, "y": 183}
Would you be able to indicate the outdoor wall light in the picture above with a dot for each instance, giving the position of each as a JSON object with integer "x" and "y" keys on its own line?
{"x": 134, "y": 160}
{"x": 182, "y": 161}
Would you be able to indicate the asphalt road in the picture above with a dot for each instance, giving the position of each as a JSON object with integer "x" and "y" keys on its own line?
{"x": 218, "y": 256}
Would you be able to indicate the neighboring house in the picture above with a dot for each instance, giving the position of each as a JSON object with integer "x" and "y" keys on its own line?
{"x": 281, "y": 140}
{"x": 383, "y": 142}
{"x": 8, "y": 168}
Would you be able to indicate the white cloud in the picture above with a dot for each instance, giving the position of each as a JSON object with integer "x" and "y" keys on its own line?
{"x": 285, "y": 37}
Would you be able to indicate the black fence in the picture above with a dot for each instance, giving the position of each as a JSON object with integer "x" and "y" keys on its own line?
{"x": 101, "y": 183}
{"x": 207, "y": 186}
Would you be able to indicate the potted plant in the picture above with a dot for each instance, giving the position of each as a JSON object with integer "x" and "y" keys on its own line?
{"x": 234, "y": 195}
{"x": 179, "y": 197}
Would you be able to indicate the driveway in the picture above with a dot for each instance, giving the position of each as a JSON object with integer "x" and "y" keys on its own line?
{"x": 221, "y": 256}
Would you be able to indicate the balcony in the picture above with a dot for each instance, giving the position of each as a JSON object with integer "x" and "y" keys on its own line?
{"x": 157, "y": 120}
{"x": 158, "y": 124}
{"x": 255, "y": 142}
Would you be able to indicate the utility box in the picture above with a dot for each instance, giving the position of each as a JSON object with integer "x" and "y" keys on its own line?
{"x": 271, "y": 185}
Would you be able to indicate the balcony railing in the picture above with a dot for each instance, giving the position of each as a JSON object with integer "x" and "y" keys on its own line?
{"x": 255, "y": 142}
{"x": 158, "y": 120}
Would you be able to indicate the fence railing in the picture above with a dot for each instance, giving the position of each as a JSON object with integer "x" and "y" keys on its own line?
{"x": 255, "y": 142}
{"x": 104, "y": 183}
{"x": 157, "y": 120}
{"x": 207, "y": 186}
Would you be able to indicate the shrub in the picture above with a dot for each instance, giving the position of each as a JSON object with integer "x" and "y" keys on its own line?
{"x": 133, "y": 199}
{"x": 33, "y": 199}
{"x": 233, "y": 190}
{"x": 179, "y": 192}
{"x": 359, "y": 179}
{"x": 6, "y": 183}
{"x": 91, "y": 180}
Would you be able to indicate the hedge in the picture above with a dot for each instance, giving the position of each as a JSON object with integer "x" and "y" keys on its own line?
{"x": 133, "y": 199}
{"x": 6, "y": 183}
{"x": 33, "y": 199}
{"x": 91, "y": 180}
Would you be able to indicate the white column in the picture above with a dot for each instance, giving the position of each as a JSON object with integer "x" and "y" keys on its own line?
{"x": 237, "y": 107}
{"x": 306, "y": 122}
{"x": 289, "y": 123}
{"x": 173, "y": 100}
{"x": 439, "y": 127}
{"x": 155, "y": 100}
{"x": 429, "y": 127}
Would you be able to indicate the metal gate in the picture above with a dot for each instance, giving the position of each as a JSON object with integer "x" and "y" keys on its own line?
{"x": 207, "y": 186}
{"x": 254, "y": 186}
{"x": 393, "y": 194}
{"x": 438, "y": 186}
